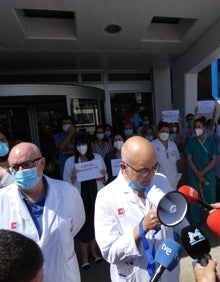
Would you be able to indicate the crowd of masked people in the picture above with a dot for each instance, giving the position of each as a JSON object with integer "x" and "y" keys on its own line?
{"x": 186, "y": 153}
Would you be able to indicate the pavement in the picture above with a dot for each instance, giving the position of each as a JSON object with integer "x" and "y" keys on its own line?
{"x": 100, "y": 272}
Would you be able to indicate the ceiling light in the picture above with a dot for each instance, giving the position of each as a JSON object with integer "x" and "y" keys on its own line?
{"x": 113, "y": 28}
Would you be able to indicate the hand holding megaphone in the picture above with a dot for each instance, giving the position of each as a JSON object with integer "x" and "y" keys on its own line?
{"x": 193, "y": 197}
{"x": 171, "y": 207}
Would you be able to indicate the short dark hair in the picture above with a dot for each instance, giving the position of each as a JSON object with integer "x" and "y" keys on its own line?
{"x": 67, "y": 117}
{"x": 20, "y": 257}
{"x": 162, "y": 124}
{"x": 202, "y": 120}
{"x": 189, "y": 115}
{"x": 84, "y": 140}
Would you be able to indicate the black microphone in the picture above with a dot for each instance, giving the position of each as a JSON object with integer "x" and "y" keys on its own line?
{"x": 167, "y": 256}
{"x": 196, "y": 243}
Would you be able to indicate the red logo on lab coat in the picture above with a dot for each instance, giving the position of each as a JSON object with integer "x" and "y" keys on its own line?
{"x": 121, "y": 211}
{"x": 13, "y": 225}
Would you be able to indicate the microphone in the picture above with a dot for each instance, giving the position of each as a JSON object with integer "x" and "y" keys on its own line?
{"x": 192, "y": 196}
{"x": 213, "y": 221}
{"x": 167, "y": 256}
{"x": 196, "y": 243}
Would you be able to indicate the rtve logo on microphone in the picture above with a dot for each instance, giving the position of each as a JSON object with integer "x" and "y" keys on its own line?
{"x": 195, "y": 237}
{"x": 167, "y": 250}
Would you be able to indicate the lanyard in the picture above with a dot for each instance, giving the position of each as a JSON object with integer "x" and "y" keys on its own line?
{"x": 151, "y": 267}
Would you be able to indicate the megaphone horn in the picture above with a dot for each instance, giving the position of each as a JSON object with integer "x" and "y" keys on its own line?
{"x": 172, "y": 208}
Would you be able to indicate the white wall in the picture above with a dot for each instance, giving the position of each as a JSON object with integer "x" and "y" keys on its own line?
{"x": 186, "y": 68}
{"x": 162, "y": 91}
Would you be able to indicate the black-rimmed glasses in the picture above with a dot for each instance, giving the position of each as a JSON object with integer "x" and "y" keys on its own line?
{"x": 25, "y": 165}
{"x": 145, "y": 170}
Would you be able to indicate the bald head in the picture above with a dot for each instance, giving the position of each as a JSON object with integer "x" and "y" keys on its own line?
{"x": 24, "y": 151}
{"x": 138, "y": 151}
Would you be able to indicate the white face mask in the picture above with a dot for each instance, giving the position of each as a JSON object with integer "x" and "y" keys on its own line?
{"x": 66, "y": 127}
{"x": 82, "y": 149}
{"x": 107, "y": 133}
{"x": 198, "y": 131}
{"x": 174, "y": 129}
{"x": 164, "y": 136}
{"x": 100, "y": 136}
{"x": 118, "y": 144}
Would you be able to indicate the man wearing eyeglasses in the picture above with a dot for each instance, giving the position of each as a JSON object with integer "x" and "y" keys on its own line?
{"x": 48, "y": 211}
{"x": 123, "y": 216}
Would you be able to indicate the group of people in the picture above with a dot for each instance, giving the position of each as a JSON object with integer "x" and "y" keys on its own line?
{"x": 107, "y": 210}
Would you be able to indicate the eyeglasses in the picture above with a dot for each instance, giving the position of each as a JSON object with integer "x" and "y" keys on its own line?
{"x": 145, "y": 170}
{"x": 25, "y": 165}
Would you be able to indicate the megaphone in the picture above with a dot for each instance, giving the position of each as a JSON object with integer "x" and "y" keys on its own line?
{"x": 171, "y": 207}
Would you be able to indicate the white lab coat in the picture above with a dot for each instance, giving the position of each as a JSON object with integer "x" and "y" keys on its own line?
{"x": 118, "y": 210}
{"x": 167, "y": 158}
{"x": 63, "y": 216}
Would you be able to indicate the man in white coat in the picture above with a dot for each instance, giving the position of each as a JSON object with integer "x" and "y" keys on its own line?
{"x": 121, "y": 208}
{"x": 48, "y": 211}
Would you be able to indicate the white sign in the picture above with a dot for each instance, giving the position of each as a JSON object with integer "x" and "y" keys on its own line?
{"x": 171, "y": 116}
{"x": 115, "y": 163}
{"x": 88, "y": 170}
{"x": 205, "y": 107}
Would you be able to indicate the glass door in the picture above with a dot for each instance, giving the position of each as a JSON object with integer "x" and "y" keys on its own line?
{"x": 15, "y": 123}
{"x": 36, "y": 118}
{"x": 37, "y": 124}
{"x": 45, "y": 120}
{"x": 131, "y": 107}
{"x": 88, "y": 113}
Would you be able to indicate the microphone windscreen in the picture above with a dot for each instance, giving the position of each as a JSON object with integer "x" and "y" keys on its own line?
{"x": 169, "y": 254}
{"x": 213, "y": 220}
{"x": 194, "y": 241}
{"x": 190, "y": 193}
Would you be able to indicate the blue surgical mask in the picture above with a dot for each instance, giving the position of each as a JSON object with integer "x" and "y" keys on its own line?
{"x": 146, "y": 122}
{"x": 66, "y": 127}
{"x": 4, "y": 149}
{"x": 27, "y": 178}
{"x": 135, "y": 186}
{"x": 128, "y": 132}
{"x": 100, "y": 136}
{"x": 149, "y": 137}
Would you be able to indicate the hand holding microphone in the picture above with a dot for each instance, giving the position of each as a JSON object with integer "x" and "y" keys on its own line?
{"x": 213, "y": 218}
{"x": 197, "y": 246}
{"x": 196, "y": 243}
{"x": 167, "y": 256}
{"x": 208, "y": 273}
